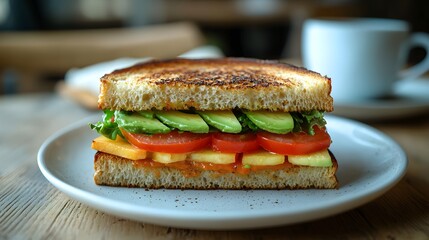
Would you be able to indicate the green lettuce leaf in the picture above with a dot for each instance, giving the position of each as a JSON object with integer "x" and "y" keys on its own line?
{"x": 246, "y": 124}
{"x": 108, "y": 127}
{"x": 305, "y": 121}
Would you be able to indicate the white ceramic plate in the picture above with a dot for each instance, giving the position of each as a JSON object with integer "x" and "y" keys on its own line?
{"x": 370, "y": 163}
{"x": 410, "y": 98}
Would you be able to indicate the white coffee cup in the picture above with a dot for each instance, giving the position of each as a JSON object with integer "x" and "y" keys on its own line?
{"x": 364, "y": 57}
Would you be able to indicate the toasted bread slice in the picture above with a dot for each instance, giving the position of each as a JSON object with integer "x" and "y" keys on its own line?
{"x": 215, "y": 84}
{"x": 118, "y": 171}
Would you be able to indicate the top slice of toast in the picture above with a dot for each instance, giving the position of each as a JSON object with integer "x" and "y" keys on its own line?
{"x": 215, "y": 84}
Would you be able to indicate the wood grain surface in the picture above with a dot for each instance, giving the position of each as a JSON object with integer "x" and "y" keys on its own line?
{"x": 31, "y": 208}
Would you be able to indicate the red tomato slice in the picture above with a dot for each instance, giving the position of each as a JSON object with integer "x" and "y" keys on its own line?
{"x": 294, "y": 143}
{"x": 234, "y": 143}
{"x": 172, "y": 142}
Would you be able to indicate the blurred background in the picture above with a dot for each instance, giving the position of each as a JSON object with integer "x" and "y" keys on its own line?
{"x": 40, "y": 40}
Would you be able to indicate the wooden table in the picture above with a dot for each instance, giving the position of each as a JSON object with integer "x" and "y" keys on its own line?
{"x": 30, "y": 207}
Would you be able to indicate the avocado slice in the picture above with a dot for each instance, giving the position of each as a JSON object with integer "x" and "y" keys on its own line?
{"x": 183, "y": 121}
{"x": 317, "y": 159}
{"x": 146, "y": 113}
{"x": 225, "y": 121}
{"x": 135, "y": 123}
{"x": 275, "y": 122}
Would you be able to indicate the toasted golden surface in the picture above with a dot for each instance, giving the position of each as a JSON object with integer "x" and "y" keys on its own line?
{"x": 215, "y": 84}
{"x": 117, "y": 171}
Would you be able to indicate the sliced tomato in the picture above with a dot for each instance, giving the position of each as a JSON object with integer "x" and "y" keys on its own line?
{"x": 234, "y": 143}
{"x": 294, "y": 143}
{"x": 172, "y": 142}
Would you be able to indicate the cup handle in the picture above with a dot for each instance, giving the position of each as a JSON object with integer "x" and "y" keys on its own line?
{"x": 417, "y": 40}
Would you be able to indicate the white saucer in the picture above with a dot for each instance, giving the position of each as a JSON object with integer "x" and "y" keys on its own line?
{"x": 410, "y": 98}
{"x": 370, "y": 163}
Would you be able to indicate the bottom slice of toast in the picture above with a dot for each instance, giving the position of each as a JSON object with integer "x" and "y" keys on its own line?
{"x": 117, "y": 171}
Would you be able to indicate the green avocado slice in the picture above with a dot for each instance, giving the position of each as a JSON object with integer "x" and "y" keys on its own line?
{"x": 183, "y": 121}
{"x": 225, "y": 120}
{"x": 136, "y": 123}
{"x": 275, "y": 122}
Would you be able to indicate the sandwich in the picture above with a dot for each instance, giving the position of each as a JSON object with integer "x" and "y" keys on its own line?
{"x": 230, "y": 123}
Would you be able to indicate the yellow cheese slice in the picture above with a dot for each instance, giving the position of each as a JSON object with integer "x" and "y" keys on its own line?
{"x": 118, "y": 147}
{"x": 168, "y": 157}
{"x": 263, "y": 158}
{"x": 317, "y": 159}
{"x": 212, "y": 157}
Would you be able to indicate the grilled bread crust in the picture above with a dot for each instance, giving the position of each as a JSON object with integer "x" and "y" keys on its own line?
{"x": 117, "y": 171}
{"x": 215, "y": 84}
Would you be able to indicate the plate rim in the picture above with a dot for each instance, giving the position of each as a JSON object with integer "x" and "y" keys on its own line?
{"x": 181, "y": 217}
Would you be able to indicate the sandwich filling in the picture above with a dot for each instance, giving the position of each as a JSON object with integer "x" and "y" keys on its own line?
{"x": 225, "y": 140}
